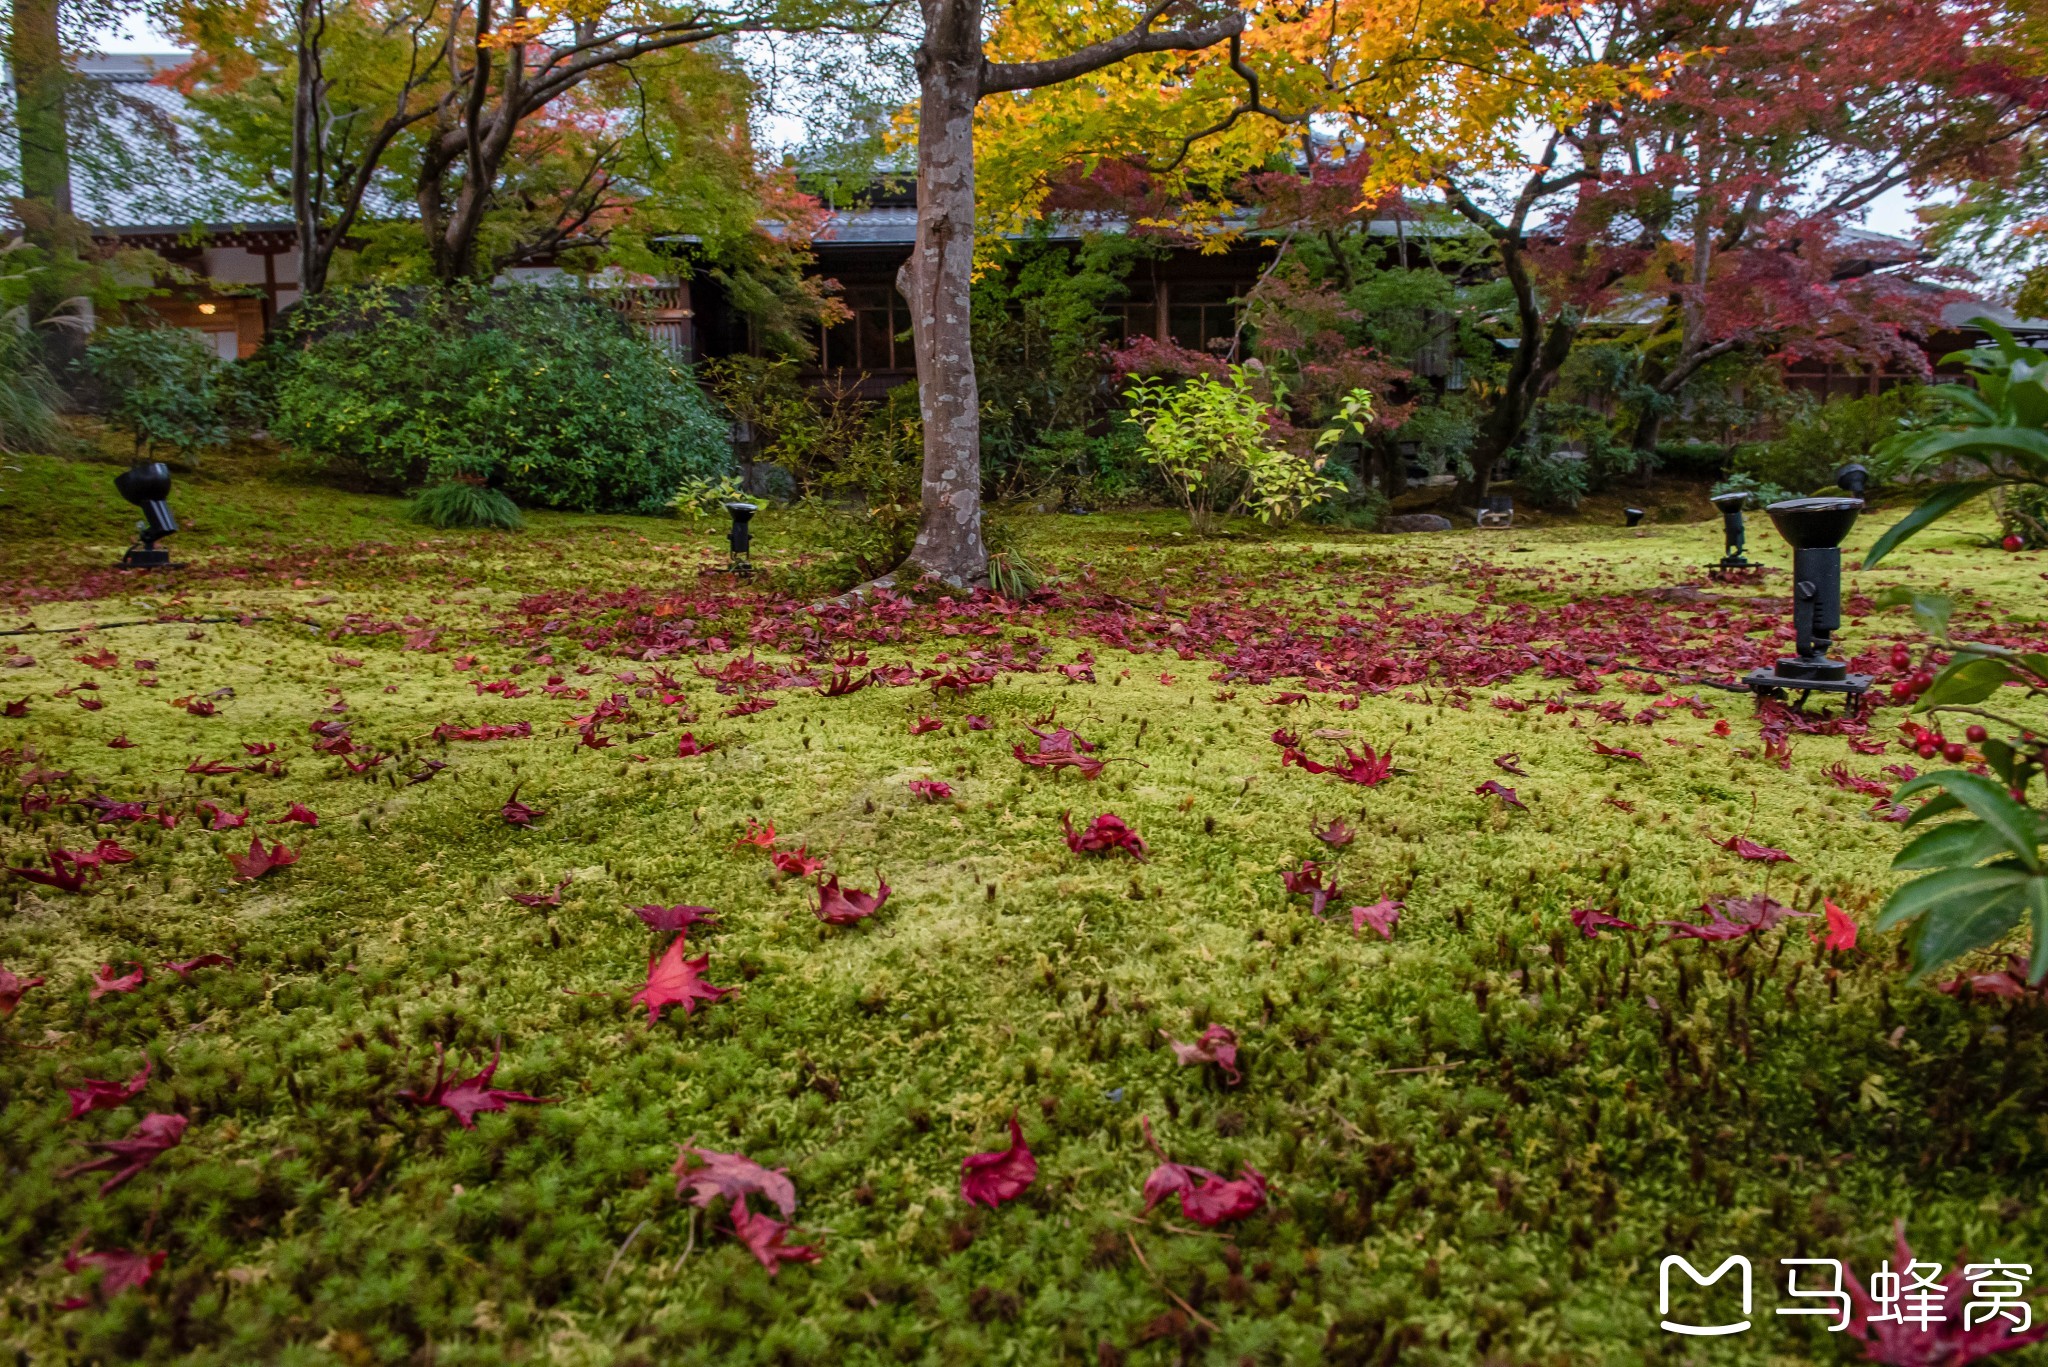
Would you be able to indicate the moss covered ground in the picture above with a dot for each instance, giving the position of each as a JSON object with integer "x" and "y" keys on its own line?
{"x": 1480, "y": 1136}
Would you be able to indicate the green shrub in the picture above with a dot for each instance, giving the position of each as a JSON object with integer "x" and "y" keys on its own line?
{"x": 1761, "y": 494}
{"x": 2023, "y": 512}
{"x": 461, "y": 503}
{"x": 546, "y": 393}
{"x": 1553, "y": 482}
{"x": 1820, "y": 438}
{"x": 158, "y": 384}
{"x": 1212, "y": 441}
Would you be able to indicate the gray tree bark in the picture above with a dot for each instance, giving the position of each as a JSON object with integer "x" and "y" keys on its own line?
{"x": 937, "y": 280}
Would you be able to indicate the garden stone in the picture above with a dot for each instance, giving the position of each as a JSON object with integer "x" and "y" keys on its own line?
{"x": 1418, "y": 522}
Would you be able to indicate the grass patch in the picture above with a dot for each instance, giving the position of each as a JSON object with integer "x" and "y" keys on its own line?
{"x": 1481, "y": 1136}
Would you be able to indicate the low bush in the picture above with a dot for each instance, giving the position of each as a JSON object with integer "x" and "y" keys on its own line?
{"x": 1820, "y": 438}
{"x": 159, "y": 385}
{"x": 549, "y": 395}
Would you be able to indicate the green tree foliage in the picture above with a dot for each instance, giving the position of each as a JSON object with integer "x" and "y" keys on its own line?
{"x": 548, "y": 395}
{"x": 158, "y": 384}
{"x": 2000, "y": 426}
{"x": 1819, "y": 438}
{"x": 1041, "y": 324}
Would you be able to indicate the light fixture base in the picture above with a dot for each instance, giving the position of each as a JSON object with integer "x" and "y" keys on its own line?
{"x": 147, "y": 558}
{"x": 1803, "y": 677}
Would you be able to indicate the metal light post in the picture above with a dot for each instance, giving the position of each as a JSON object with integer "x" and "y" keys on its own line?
{"x": 147, "y": 485}
{"x": 740, "y": 539}
{"x": 1815, "y": 528}
{"x": 1734, "y": 535}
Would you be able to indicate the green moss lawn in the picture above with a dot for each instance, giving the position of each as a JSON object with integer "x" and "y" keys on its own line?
{"x": 1480, "y": 1137}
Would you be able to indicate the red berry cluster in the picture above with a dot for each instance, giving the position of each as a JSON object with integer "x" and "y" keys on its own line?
{"x": 1932, "y": 744}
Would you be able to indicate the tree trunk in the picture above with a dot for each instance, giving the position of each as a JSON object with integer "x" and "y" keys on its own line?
{"x": 35, "y": 51}
{"x": 936, "y": 282}
{"x": 309, "y": 152}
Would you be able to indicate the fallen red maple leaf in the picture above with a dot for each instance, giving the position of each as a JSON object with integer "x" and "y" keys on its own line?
{"x": 121, "y": 742}
{"x": 1382, "y": 916}
{"x": 222, "y": 818}
{"x": 1308, "y": 881}
{"x": 212, "y": 768}
{"x": 184, "y": 968}
{"x": 12, "y": 986}
{"x": 931, "y": 789}
{"x": 1205, "y": 1197}
{"x": 797, "y": 863}
{"x": 672, "y": 979}
{"x": 1749, "y": 849}
{"x": 1493, "y": 787}
{"x": 844, "y": 907}
{"x": 1107, "y": 833}
{"x": 680, "y": 917}
{"x": 1616, "y": 752}
{"x": 763, "y": 1238}
{"x": 1592, "y": 920}
{"x": 120, "y": 1269}
{"x": 550, "y": 898}
{"x": 1217, "y": 1045}
{"x": 925, "y": 724}
{"x": 105, "y": 981}
{"x": 517, "y": 813}
{"x": 1336, "y": 835}
{"x": 466, "y": 1097}
{"x": 57, "y": 877}
{"x": 258, "y": 861}
{"x": 1512, "y": 763}
{"x": 1841, "y": 928}
{"x": 750, "y": 707}
{"x": 1731, "y": 918}
{"x": 96, "y": 1095}
{"x": 299, "y": 813}
{"x": 257, "y": 749}
{"x": 155, "y": 1133}
{"x": 990, "y": 1179}
{"x": 709, "y": 1175}
{"x": 758, "y": 835}
{"x": 690, "y": 746}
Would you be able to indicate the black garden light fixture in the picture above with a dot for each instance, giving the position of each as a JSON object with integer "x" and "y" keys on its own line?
{"x": 147, "y": 484}
{"x": 1815, "y": 527}
{"x": 740, "y": 539}
{"x": 1734, "y": 535}
{"x": 1854, "y": 478}
{"x": 1632, "y": 517}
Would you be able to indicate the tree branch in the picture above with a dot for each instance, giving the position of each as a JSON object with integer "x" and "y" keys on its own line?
{"x": 997, "y": 77}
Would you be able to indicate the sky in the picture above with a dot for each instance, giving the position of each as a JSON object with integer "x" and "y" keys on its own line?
{"x": 1893, "y": 213}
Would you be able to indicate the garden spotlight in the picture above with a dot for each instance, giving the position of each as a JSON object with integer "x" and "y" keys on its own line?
{"x": 1633, "y": 517}
{"x": 1854, "y": 477}
{"x": 1815, "y": 527}
{"x": 739, "y": 538}
{"x": 1734, "y": 535}
{"x": 147, "y": 484}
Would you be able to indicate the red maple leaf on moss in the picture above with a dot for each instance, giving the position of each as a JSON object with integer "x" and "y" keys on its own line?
{"x": 674, "y": 980}
{"x": 105, "y": 980}
{"x": 758, "y": 835}
{"x": 1750, "y": 849}
{"x": 259, "y": 861}
{"x": 708, "y": 1175}
{"x": 120, "y": 1269}
{"x": 155, "y": 1133}
{"x": 1217, "y": 1045}
{"x": 797, "y": 863}
{"x": 96, "y": 1095}
{"x": 466, "y": 1097}
{"x": 844, "y": 906}
{"x": 12, "y": 986}
{"x": 763, "y": 1238}
{"x": 1207, "y": 1198}
{"x": 680, "y": 917}
{"x": 1105, "y": 835}
{"x": 1003, "y": 1175}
